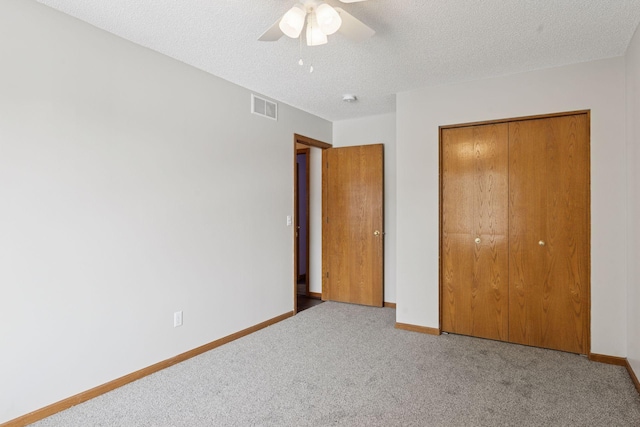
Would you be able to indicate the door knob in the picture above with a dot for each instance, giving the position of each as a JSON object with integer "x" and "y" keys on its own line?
{"x": 477, "y": 240}
{"x": 541, "y": 242}
{"x": 376, "y": 233}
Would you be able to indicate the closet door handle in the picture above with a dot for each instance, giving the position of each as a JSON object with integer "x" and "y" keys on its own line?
{"x": 541, "y": 243}
{"x": 477, "y": 240}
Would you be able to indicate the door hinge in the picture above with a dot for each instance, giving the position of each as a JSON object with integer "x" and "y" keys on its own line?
{"x": 327, "y": 274}
{"x": 327, "y": 220}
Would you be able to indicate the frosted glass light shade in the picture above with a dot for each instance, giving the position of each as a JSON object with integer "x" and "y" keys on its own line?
{"x": 315, "y": 36}
{"x": 328, "y": 19}
{"x": 292, "y": 22}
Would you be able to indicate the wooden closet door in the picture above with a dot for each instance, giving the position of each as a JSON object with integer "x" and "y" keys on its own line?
{"x": 474, "y": 260}
{"x": 549, "y": 232}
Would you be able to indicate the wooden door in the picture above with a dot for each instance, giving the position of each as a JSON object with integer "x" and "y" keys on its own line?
{"x": 549, "y": 232}
{"x": 352, "y": 228}
{"x": 474, "y": 230}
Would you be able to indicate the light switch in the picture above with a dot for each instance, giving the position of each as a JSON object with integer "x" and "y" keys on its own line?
{"x": 288, "y": 220}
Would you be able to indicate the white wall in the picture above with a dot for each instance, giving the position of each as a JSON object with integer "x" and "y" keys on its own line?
{"x": 376, "y": 130}
{"x": 132, "y": 186}
{"x": 598, "y": 86}
{"x": 633, "y": 182}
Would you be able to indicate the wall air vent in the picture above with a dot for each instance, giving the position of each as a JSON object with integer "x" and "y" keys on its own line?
{"x": 264, "y": 108}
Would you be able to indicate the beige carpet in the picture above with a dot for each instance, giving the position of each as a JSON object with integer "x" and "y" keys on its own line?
{"x": 339, "y": 364}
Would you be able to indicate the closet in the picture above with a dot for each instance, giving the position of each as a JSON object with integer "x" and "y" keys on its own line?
{"x": 514, "y": 231}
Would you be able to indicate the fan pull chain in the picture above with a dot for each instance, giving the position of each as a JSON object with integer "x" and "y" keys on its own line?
{"x": 301, "y": 61}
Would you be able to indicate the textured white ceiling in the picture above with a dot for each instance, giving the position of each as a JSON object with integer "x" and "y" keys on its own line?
{"x": 418, "y": 43}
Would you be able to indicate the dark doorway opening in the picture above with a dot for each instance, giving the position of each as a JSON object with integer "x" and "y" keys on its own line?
{"x": 302, "y": 147}
{"x": 304, "y": 299}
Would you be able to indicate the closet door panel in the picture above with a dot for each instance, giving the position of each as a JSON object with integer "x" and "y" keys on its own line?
{"x": 457, "y": 229}
{"x": 491, "y": 274}
{"x": 474, "y": 231}
{"x": 527, "y": 201}
{"x": 548, "y": 241}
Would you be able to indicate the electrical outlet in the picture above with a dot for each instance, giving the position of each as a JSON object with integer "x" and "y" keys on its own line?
{"x": 177, "y": 319}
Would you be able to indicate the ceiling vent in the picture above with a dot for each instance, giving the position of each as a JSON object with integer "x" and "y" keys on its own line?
{"x": 264, "y": 108}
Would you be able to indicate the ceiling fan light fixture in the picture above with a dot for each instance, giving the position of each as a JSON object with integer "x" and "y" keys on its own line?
{"x": 315, "y": 36}
{"x": 328, "y": 19}
{"x": 292, "y": 22}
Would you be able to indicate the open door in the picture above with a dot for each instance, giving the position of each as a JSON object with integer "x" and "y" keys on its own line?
{"x": 352, "y": 226}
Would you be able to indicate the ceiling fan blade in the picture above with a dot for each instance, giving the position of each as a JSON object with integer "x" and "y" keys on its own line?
{"x": 272, "y": 34}
{"x": 353, "y": 28}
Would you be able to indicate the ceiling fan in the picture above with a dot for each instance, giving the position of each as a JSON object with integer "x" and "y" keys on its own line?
{"x": 321, "y": 21}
